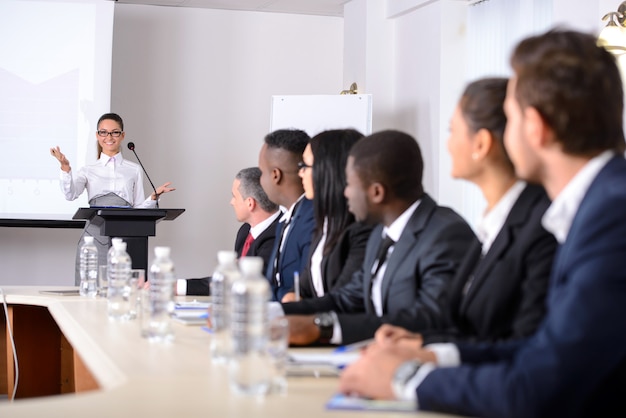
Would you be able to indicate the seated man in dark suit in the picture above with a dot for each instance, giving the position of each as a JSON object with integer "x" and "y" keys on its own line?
{"x": 410, "y": 258}
{"x": 255, "y": 237}
{"x": 278, "y": 161}
{"x": 564, "y": 108}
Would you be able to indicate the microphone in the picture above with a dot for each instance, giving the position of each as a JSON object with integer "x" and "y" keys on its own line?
{"x": 131, "y": 146}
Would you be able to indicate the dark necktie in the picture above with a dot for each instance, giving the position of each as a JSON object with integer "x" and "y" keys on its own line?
{"x": 246, "y": 244}
{"x": 382, "y": 253}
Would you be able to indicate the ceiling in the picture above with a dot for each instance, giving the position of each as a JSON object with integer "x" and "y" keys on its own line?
{"x": 309, "y": 7}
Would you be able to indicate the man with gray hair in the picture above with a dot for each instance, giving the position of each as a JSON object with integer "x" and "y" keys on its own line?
{"x": 255, "y": 237}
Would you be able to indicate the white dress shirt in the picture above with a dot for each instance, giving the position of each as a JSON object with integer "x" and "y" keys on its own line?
{"x": 107, "y": 175}
{"x": 258, "y": 229}
{"x": 558, "y": 218}
{"x": 491, "y": 222}
{"x": 316, "y": 262}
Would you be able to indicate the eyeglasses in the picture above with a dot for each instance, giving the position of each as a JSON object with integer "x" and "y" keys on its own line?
{"x": 302, "y": 165}
{"x": 104, "y": 134}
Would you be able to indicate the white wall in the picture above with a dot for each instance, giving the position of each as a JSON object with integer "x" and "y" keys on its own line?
{"x": 194, "y": 87}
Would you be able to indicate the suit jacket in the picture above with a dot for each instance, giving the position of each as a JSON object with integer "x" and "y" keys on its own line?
{"x": 293, "y": 257}
{"x": 507, "y": 295}
{"x": 260, "y": 247}
{"x": 575, "y": 364}
{"x": 341, "y": 262}
{"x": 414, "y": 287}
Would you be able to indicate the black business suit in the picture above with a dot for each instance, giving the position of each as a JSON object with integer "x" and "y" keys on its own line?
{"x": 507, "y": 295}
{"x": 260, "y": 247}
{"x": 419, "y": 270}
{"x": 341, "y": 262}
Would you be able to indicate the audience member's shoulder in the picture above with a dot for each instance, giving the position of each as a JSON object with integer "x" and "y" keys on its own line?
{"x": 360, "y": 228}
{"x": 536, "y": 195}
{"x": 616, "y": 178}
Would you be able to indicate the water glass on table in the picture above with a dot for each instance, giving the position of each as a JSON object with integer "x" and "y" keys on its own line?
{"x": 103, "y": 281}
{"x": 277, "y": 346}
{"x": 136, "y": 283}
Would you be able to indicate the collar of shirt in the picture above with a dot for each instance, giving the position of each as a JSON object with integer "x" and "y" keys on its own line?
{"x": 288, "y": 213}
{"x": 394, "y": 230}
{"x": 559, "y": 216}
{"x": 491, "y": 222}
{"x": 104, "y": 159}
{"x": 258, "y": 229}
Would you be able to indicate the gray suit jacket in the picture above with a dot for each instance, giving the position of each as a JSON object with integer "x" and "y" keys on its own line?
{"x": 416, "y": 281}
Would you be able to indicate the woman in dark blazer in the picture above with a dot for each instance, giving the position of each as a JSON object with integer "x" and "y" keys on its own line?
{"x": 500, "y": 288}
{"x": 338, "y": 243}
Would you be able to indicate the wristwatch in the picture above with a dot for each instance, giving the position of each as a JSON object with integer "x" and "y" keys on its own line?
{"x": 325, "y": 322}
{"x": 404, "y": 373}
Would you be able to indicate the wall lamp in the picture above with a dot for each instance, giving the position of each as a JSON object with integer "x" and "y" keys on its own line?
{"x": 613, "y": 37}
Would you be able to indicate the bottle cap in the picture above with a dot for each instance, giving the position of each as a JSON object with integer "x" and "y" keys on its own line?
{"x": 114, "y": 240}
{"x": 251, "y": 265}
{"x": 118, "y": 243}
{"x": 224, "y": 257}
{"x": 88, "y": 239}
{"x": 162, "y": 251}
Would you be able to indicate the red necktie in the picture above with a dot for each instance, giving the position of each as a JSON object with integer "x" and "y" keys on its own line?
{"x": 246, "y": 245}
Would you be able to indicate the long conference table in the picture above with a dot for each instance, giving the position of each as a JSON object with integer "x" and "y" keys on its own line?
{"x": 74, "y": 362}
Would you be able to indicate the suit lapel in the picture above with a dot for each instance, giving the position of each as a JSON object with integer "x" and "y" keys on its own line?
{"x": 370, "y": 258}
{"x": 517, "y": 217}
{"x": 270, "y": 274}
{"x": 241, "y": 238}
{"x": 267, "y": 233}
{"x": 592, "y": 197}
{"x": 407, "y": 242}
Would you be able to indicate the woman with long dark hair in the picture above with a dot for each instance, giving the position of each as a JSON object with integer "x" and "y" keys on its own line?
{"x": 338, "y": 243}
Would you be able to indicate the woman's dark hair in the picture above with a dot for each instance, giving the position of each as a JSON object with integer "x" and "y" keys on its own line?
{"x": 330, "y": 154}
{"x": 482, "y": 108}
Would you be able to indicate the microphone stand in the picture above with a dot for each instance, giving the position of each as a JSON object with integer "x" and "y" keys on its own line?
{"x": 131, "y": 146}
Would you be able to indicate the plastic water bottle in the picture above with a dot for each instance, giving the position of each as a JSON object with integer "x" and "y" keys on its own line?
{"x": 118, "y": 294}
{"x": 250, "y": 364}
{"x": 88, "y": 268}
{"x": 157, "y": 326}
{"x": 221, "y": 282}
{"x": 112, "y": 248}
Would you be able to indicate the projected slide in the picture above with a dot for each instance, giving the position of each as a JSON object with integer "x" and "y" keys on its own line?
{"x": 55, "y": 78}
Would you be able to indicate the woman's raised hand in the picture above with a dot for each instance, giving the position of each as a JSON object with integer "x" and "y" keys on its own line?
{"x": 56, "y": 153}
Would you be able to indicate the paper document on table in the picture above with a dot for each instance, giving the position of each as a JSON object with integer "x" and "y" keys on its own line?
{"x": 353, "y": 403}
{"x": 327, "y": 364}
{"x": 191, "y": 313}
{"x": 194, "y": 304}
{"x": 338, "y": 360}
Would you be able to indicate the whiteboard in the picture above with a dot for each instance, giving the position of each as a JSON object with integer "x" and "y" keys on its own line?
{"x": 316, "y": 113}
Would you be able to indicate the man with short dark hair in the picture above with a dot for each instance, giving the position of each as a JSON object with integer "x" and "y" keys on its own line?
{"x": 255, "y": 237}
{"x": 564, "y": 109}
{"x": 411, "y": 256}
{"x": 278, "y": 161}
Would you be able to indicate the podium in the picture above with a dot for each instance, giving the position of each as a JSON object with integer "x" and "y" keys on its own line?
{"x": 133, "y": 225}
